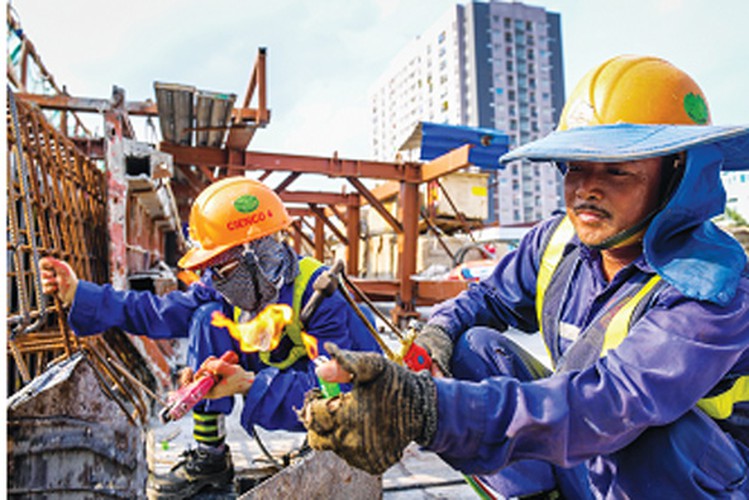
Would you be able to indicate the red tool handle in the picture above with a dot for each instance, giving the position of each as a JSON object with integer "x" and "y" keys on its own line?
{"x": 191, "y": 394}
{"x": 230, "y": 357}
{"x": 417, "y": 358}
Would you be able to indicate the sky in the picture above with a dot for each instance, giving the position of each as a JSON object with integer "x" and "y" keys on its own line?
{"x": 324, "y": 56}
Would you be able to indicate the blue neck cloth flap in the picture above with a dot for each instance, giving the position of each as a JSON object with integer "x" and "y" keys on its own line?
{"x": 684, "y": 246}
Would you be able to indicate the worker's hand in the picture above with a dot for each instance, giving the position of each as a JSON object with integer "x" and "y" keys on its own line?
{"x": 439, "y": 345}
{"x": 186, "y": 376}
{"x": 233, "y": 379}
{"x": 58, "y": 279}
{"x": 370, "y": 426}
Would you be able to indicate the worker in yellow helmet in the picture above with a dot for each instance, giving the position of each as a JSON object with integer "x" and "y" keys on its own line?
{"x": 235, "y": 226}
{"x": 642, "y": 303}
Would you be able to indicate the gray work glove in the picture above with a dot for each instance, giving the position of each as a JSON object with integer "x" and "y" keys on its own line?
{"x": 370, "y": 426}
{"x": 438, "y": 344}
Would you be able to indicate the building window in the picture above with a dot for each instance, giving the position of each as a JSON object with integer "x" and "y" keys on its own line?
{"x": 511, "y": 95}
{"x": 508, "y": 37}
{"x": 508, "y": 23}
{"x": 509, "y": 66}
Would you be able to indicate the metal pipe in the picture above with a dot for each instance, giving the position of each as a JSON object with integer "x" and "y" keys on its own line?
{"x": 136, "y": 381}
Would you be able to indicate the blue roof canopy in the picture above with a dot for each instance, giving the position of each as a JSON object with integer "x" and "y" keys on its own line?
{"x": 436, "y": 139}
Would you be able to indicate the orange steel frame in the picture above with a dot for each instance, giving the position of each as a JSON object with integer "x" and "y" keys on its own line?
{"x": 200, "y": 166}
{"x": 403, "y": 181}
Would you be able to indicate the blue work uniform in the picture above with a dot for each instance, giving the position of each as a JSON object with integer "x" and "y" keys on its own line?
{"x": 275, "y": 392}
{"x": 628, "y": 425}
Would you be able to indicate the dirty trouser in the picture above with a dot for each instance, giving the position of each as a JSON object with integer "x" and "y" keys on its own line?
{"x": 690, "y": 458}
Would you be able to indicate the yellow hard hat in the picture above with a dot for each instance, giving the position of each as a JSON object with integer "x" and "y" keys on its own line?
{"x": 635, "y": 89}
{"x": 228, "y": 213}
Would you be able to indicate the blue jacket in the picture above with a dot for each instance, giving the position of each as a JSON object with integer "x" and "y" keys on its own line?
{"x": 275, "y": 393}
{"x": 680, "y": 350}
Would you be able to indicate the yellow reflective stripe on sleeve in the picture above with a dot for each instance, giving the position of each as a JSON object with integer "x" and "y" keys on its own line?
{"x": 721, "y": 406}
{"x": 619, "y": 326}
{"x": 551, "y": 258}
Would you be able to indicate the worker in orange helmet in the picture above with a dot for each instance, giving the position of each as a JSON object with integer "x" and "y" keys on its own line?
{"x": 235, "y": 225}
{"x": 642, "y": 303}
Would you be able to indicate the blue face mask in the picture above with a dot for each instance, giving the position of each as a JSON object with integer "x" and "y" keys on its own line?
{"x": 264, "y": 267}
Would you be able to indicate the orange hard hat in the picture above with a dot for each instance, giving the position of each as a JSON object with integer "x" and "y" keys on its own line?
{"x": 228, "y": 213}
{"x": 635, "y": 89}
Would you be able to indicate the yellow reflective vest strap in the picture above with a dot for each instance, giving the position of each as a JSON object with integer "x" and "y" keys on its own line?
{"x": 619, "y": 325}
{"x": 550, "y": 259}
{"x": 719, "y": 407}
{"x": 307, "y": 267}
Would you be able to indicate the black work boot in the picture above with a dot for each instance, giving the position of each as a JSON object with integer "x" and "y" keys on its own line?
{"x": 197, "y": 469}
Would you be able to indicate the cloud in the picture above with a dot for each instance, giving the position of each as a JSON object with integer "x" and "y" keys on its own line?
{"x": 323, "y": 57}
{"x": 666, "y": 6}
{"x": 323, "y": 119}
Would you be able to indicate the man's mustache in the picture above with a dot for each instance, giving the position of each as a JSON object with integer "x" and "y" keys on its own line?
{"x": 590, "y": 207}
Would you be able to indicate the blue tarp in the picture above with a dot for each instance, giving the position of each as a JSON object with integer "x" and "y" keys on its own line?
{"x": 488, "y": 144}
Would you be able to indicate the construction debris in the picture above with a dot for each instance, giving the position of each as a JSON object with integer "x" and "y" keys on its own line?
{"x": 71, "y": 440}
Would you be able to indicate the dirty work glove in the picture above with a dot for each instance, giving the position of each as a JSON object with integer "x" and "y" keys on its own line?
{"x": 370, "y": 426}
{"x": 438, "y": 344}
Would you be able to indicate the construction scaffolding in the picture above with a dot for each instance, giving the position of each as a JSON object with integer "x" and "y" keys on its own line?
{"x": 113, "y": 208}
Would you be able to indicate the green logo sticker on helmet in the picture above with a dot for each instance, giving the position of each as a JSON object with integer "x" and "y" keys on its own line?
{"x": 246, "y": 203}
{"x": 696, "y": 108}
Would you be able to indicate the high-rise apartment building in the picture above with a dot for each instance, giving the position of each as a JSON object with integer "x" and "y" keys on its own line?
{"x": 485, "y": 64}
{"x": 736, "y": 185}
